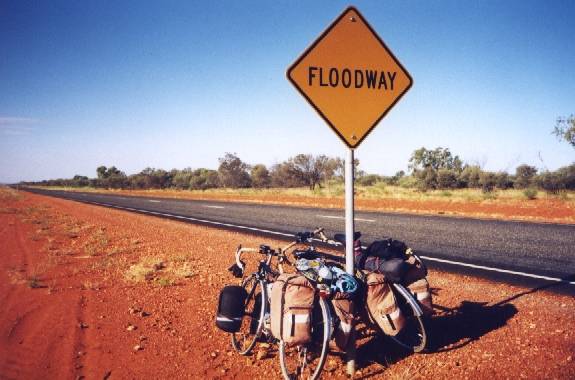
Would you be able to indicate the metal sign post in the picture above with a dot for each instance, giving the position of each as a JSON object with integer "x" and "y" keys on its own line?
{"x": 349, "y": 232}
{"x": 352, "y": 79}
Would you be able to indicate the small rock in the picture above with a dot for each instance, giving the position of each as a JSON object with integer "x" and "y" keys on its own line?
{"x": 137, "y": 347}
{"x": 131, "y": 328}
{"x": 144, "y": 314}
{"x": 569, "y": 358}
{"x": 213, "y": 354}
{"x": 82, "y": 325}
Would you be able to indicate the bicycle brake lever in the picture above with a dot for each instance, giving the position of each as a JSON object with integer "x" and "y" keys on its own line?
{"x": 237, "y": 272}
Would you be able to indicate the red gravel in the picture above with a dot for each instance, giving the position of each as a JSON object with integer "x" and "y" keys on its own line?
{"x": 71, "y": 310}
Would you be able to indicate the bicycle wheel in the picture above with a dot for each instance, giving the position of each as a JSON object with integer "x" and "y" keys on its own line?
{"x": 306, "y": 361}
{"x": 245, "y": 339}
{"x": 412, "y": 336}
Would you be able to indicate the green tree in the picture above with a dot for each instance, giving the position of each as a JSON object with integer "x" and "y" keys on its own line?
{"x": 550, "y": 182}
{"x": 311, "y": 170}
{"x": 438, "y": 158}
{"x": 447, "y": 179}
{"x": 101, "y": 171}
{"x": 470, "y": 176}
{"x": 233, "y": 172}
{"x": 181, "y": 178}
{"x": 260, "y": 176}
{"x": 565, "y": 129}
{"x": 203, "y": 179}
{"x": 487, "y": 180}
{"x": 503, "y": 180}
{"x": 524, "y": 176}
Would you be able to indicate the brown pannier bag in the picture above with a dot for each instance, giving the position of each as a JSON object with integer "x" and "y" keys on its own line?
{"x": 381, "y": 305}
{"x": 343, "y": 307}
{"x": 415, "y": 280}
{"x": 416, "y": 271}
{"x": 422, "y": 293}
{"x": 291, "y": 301}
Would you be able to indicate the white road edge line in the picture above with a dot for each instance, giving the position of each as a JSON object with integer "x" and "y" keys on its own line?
{"x": 154, "y": 201}
{"x": 482, "y": 267}
{"x": 555, "y": 279}
{"x": 210, "y": 206}
{"x": 342, "y": 217}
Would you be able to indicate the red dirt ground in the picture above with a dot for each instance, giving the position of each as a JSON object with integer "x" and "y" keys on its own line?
{"x": 72, "y": 310}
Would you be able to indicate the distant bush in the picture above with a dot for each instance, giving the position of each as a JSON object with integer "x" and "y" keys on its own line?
{"x": 524, "y": 176}
{"x": 447, "y": 179}
{"x": 567, "y": 176}
{"x": 487, "y": 180}
{"x": 503, "y": 181}
{"x": 550, "y": 182}
{"x": 260, "y": 176}
{"x": 470, "y": 176}
{"x": 530, "y": 193}
{"x": 407, "y": 182}
{"x": 368, "y": 180}
{"x": 426, "y": 179}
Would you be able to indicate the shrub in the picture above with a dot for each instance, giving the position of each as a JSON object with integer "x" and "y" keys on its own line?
{"x": 260, "y": 176}
{"x": 567, "y": 176}
{"x": 487, "y": 181}
{"x": 550, "y": 182}
{"x": 469, "y": 177}
{"x": 368, "y": 180}
{"x": 524, "y": 176}
{"x": 503, "y": 181}
{"x": 407, "y": 182}
{"x": 447, "y": 179}
{"x": 530, "y": 193}
{"x": 426, "y": 179}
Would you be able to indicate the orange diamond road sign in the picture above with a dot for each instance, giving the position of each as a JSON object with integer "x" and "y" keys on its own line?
{"x": 350, "y": 77}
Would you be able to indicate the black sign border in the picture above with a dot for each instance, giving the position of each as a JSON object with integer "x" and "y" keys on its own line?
{"x": 316, "y": 42}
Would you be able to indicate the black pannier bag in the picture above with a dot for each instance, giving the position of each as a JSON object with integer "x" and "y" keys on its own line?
{"x": 387, "y": 249}
{"x": 394, "y": 269}
{"x": 231, "y": 308}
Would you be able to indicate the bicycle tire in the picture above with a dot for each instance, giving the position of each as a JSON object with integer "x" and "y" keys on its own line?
{"x": 315, "y": 350}
{"x": 251, "y": 328}
{"x": 413, "y": 336}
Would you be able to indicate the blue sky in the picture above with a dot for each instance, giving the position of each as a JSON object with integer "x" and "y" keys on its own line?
{"x": 174, "y": 84}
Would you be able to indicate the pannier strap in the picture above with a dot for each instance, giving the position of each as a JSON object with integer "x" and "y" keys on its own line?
{"x": 283, "y": 299}
{"x": 390, "y": 321}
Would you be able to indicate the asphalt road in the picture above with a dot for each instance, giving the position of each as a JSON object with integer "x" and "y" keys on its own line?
{"x": 542, "y": 254}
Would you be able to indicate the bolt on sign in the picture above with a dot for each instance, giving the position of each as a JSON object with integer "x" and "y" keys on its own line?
{"x": 350, "y": 77}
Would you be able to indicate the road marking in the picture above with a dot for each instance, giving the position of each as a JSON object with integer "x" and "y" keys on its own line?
{"x": 342, "y": 217}
{"x": 498, "y": 270}
{"x": 452, "y": 262}
{"x": 209, "y": 206}
{"x": 153, "y": 201}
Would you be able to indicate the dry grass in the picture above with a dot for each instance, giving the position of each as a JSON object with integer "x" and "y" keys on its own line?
{"x": 379, "y": 190}
{"x": 9, "y": 194}
{"x": 154, "y": 269}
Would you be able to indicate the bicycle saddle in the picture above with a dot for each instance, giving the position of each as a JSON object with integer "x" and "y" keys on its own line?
{"x": 341, "y": 237}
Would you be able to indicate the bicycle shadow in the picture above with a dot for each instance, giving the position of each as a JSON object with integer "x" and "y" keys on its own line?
{"x": 450, "y": 329}
{"x": 459, "y": 326}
